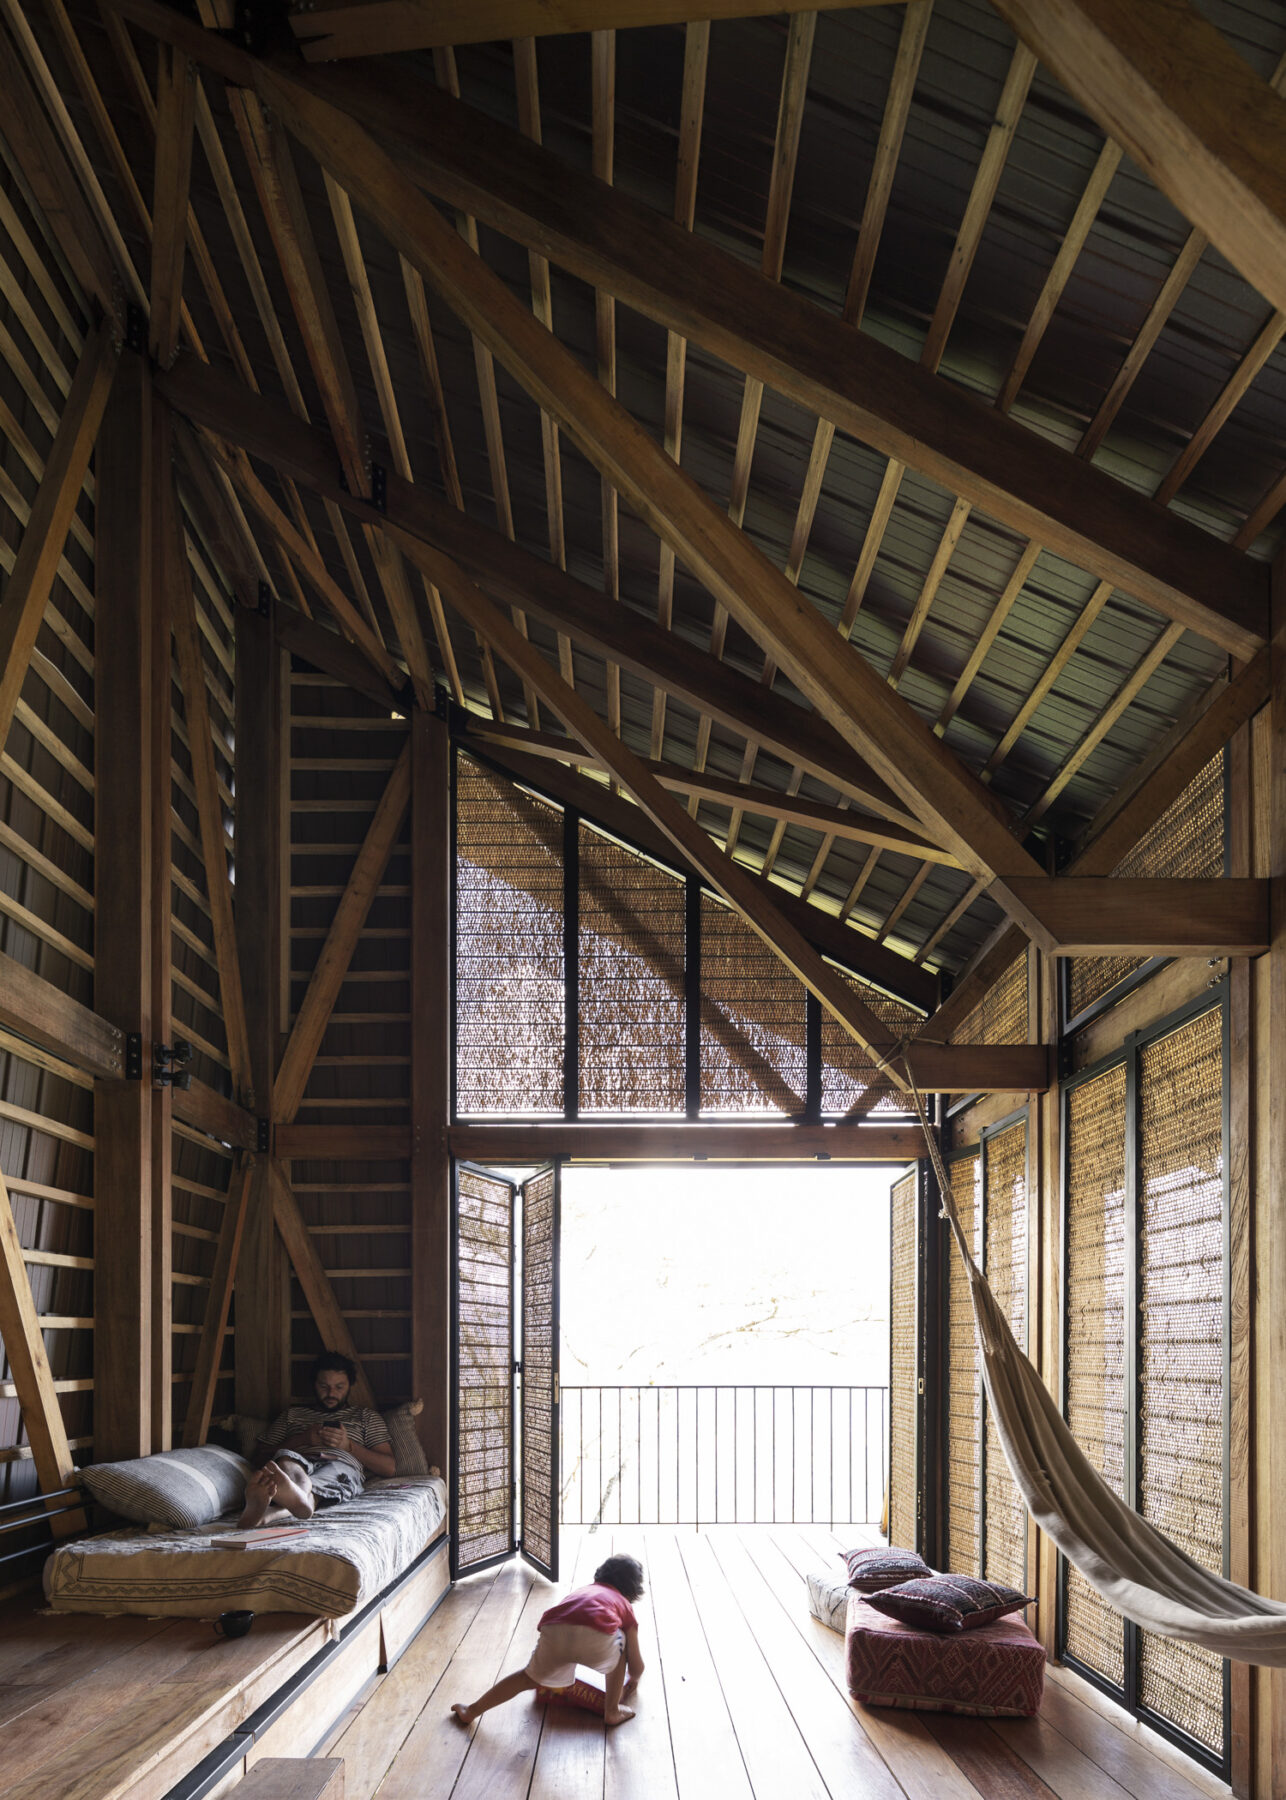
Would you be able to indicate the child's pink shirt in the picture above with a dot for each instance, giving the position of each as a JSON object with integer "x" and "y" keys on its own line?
{"x": 599, "y": 1607}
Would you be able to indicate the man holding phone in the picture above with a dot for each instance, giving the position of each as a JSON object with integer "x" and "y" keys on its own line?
{"x": 319, "y": 1454}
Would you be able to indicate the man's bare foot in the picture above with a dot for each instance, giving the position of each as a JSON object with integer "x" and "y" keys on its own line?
{"x": 462, "y": 1715}
{"x": 261, "y": 1491}
{"x": 618, "y": 1717}
{"x": 295, "y": 1494}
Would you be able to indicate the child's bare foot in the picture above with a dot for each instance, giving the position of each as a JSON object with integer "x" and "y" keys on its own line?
{"x": 261, "y": 1491}
{"x": 618, "y": 1717}
{"x": 462, "y": 1715}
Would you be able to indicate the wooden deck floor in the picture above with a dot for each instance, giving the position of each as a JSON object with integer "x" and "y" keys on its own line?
{"x": 743, "y": 1699}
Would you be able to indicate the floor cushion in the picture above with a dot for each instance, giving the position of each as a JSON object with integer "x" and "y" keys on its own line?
{"x": 828, "y": 1600}
{"x": 997, "y": 1671}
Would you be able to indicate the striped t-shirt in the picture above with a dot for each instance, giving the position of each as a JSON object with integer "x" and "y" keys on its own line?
{"x": 362, "y": 1423}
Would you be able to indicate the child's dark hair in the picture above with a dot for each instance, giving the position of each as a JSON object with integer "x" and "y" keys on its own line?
{"x": 621, "y": 1573}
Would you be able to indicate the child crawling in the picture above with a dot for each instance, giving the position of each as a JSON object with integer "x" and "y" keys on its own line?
{"x": 594, "y": 1626}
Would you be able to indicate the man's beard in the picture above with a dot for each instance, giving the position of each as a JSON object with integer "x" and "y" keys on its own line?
{"x": 332, "y": 1405}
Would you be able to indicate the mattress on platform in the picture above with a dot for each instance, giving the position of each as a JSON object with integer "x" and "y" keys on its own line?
{"x": 350, "y": 1553}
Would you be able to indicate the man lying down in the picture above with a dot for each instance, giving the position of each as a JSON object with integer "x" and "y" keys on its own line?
{"x": 317, "y": 1455}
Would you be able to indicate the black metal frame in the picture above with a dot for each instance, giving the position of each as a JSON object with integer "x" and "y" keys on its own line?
{"x": 549, "y": 1570}
{"x": 811, "y": 1110}
{"x": 942, "y": 1545}
{"x": 1128, "y": 1055}
{"x": 457, "y": 1166}
{"x": 1019, "y": 1114}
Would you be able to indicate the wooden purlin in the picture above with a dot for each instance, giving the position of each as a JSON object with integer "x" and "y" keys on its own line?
{"x": 341, "y": 940}
{"x": 327, "y": 1313}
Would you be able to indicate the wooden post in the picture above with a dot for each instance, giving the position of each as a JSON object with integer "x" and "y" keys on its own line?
{"x": 163, "y": 543}
{"x": 126, "y": 688}
{"x": 262, "y": 1342}
{"x": 431, "y": 875}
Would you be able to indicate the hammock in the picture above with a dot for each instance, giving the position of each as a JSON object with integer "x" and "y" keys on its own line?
{"x": 1133, "y": 1566}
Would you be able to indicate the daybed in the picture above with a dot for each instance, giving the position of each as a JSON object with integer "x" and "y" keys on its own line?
{"x": 349, "y": 1554}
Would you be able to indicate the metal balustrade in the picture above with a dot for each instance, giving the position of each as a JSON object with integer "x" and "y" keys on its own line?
{"x": 723, "y": 1455}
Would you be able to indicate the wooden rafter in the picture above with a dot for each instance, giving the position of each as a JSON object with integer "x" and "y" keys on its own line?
{"x": 341, "y": 940}
{"x": 218, "y": 1301}
{"x": 1170, "y": 87}
{"x": 1098, "y": 916}
{"x": 31, "y": 580}
{"x": 692, "y": 842}
{"x": 327, "y": 1313}
{"x": 20, "y": 1329}
{"x": 209, "y": 802}
{"x": 511, "y": 574}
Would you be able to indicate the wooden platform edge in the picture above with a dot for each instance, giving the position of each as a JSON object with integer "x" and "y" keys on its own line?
{"x": 348, "y": 1662}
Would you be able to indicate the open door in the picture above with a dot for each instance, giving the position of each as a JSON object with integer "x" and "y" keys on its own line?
{"x": 538, "y": 1536}
{"x": 905, "y": 1516}
{"x": 483, "y": 1362}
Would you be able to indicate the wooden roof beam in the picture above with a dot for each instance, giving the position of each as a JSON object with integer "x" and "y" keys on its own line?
{"x": 1169, "y": 86}
{"x": 711, "y": 297}
{"x": 375, "y": 27}
{"x": 175, "y": 116}
{"x": 514, "y": 576}
{"x": 1103, "y": 916}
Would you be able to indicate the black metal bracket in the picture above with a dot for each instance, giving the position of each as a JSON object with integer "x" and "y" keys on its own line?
{"x": 135, "y": 329}
{"x": 171, "y": 1064}
{"x": 133, "y": 1056}
{"x": 379, "y": 487}
{"x": 264, "y": 606}
{"x": 263, "y": 1136}
{"x": 254, "y": 23}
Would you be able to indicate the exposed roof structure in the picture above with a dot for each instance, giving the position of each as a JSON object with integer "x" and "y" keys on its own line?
{"x": 937, "y": 348}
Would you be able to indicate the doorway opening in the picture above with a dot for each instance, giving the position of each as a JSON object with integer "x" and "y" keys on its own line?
{"x": 667, "y": 1345}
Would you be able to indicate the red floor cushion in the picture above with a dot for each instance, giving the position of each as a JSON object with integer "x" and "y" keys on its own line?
{"x": 997, "y": 1671}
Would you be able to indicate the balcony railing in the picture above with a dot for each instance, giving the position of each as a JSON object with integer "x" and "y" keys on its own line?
{"x": 716, "y": 1455}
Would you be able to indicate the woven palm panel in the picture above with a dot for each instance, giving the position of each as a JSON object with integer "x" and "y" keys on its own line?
{"x": 903, "y": 1368}
{"x": 850, "y": 1084}
{"x": 964, "y": 1382}
{"x": 1181, "y": 1376}
{"x": 631, "y": 997}
{"x": 539, "y": 1451}
{"x": 1005, "y": 1266}
{"x": 1000, "y": 1017}
{"x": 509, "y": 948}
{"x": 753, "y": 1049}
{"x": 1095, "y": 1374}
{"x": 484, "y": 1374}
{"x": 1187, "y": 840}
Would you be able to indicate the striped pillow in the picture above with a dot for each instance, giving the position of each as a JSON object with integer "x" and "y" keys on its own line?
{"x": 183, "y": 1488}
{"x": 408, "y": 1451}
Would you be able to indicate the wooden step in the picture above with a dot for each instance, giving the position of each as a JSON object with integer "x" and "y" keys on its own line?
{"x": 294, "y": 1778}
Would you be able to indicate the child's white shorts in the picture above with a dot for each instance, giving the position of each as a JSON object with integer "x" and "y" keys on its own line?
{"x": 560, "y": 1647}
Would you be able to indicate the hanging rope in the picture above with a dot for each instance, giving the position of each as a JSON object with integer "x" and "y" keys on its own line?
{"x": 1133, "y": 1566}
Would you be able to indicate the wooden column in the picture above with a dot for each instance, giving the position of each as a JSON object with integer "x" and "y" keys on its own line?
{"x": 431, "y": 1080}
{"x": 262, "y": 1337}
{"x": 164, "y": 547}
{"x": 124, "y": 698}
{"x": 1046, "y": 1215}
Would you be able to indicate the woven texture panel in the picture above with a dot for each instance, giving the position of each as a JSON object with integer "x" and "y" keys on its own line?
{"x": 752, "y": 1020}
{"x": 964, "y": 1385}
{"x": 539, "y": 1526}
{"x": 1000, "y": 1017}
{"x": 903, "y": 1368}
{"x": 1187, "y": 840}
{"x": 995, "y": 1671}
{"x": 1096, "y": 1333}
{"x": 1005, "y": 1266}
{"x": 509, "y": 948}
{"x": 631, "y": 982}
{"x": 850, "y": 1085}
{"x": 1181, "y": 1379}
{"x": 484, "y": 1395}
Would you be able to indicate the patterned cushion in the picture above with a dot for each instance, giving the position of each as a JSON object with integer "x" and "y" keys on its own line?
{"x": 871, "y": 1570}
{"x": 997, "y": 1671}
{"x": 828, "y": 1600}
{"x": 949, "y": 1602}
{"x": 176, "y": 1487}
{"x": 580, "y": 1693}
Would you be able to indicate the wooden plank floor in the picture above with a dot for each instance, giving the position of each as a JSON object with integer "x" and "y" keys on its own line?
{"x": 743, "y": 1699}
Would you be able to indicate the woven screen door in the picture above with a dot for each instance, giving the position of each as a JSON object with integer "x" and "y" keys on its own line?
{"x": 906, "y": 1367}
{"x": 538, "y": 1536}
{"x": 482, "y": 1317}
